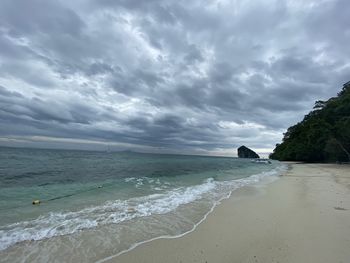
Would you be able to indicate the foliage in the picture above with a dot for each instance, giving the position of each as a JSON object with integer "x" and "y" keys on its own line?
{"x": 323, "y": 134}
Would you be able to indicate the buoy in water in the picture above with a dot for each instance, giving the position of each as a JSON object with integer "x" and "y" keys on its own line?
{"x": 36, "y": 202}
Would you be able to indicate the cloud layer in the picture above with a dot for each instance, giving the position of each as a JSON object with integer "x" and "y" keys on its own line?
{"x": 166, "y": 76}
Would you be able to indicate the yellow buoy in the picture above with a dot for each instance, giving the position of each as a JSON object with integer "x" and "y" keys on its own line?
{"x": 36, "y": 202}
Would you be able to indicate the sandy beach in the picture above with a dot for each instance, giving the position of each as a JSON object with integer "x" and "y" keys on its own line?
{"x": 304, "y": 216}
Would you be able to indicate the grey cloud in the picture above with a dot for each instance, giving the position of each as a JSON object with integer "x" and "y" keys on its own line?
{"x": 193, "y": 54}
{"x": 7, "y": 94}
{"x": 99, "y": 68}
{"x": 198, "y": 75}
{"x": 25, "y": 18}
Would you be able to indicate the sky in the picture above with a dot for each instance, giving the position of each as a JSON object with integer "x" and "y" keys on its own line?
{"x": 192, "y": 77}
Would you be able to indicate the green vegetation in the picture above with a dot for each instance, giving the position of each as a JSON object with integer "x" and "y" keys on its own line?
{"x": 323, "y": 135}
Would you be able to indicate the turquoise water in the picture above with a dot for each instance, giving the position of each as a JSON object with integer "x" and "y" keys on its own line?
{"x": 88, "y": 195}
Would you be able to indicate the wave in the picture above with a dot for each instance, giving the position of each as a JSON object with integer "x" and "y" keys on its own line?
{"x": 63, "y": 223}
{"x": 238, "y": 183}
{"x": 117, "y": 211}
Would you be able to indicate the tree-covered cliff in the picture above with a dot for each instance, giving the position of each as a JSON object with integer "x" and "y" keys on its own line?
{"x": 323, "y": 135}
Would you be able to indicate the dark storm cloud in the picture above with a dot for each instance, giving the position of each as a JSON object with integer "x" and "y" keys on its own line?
{"x": 198, "y": 76}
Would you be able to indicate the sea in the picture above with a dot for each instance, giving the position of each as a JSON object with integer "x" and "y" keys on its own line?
{"x": 97, "y": 205}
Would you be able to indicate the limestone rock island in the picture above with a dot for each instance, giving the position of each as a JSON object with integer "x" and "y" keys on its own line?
{"x": 245, "y": 152}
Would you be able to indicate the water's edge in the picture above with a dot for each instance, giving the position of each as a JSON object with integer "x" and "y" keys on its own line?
{"x": 262, "y": 181}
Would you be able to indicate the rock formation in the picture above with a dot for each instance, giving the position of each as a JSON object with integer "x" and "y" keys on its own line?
{"x": 245, "y": 152}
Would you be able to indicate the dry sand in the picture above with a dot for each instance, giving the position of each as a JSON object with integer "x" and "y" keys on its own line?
{"x": 302, "y": 217}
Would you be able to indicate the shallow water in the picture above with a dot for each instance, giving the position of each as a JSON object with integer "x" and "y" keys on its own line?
{"x": 108, "y": 201}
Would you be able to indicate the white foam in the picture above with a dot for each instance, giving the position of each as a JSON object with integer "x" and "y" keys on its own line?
{"x": 156, "y": 184}
{"x": 237, "y": 184}
{"x": 64, "y": 223}
{"x": 57, "y": 224}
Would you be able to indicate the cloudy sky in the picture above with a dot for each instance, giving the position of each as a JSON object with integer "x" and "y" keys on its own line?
{"x": 194, "y": 76}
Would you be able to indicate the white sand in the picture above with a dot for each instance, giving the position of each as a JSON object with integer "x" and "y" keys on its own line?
{"x": 302, "y": 217}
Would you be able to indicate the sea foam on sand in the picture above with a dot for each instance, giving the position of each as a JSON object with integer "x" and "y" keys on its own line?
{"x": 303, "y": 217}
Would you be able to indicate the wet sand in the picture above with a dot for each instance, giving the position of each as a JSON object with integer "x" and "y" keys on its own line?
{"x": 302, "y": 217}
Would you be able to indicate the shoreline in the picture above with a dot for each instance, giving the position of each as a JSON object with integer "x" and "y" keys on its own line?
{"x": 262, "y": 181}
{"x": 115, "y": 239}
{"x": 287, "y": 220}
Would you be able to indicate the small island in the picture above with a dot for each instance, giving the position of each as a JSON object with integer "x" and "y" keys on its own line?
{"x": 245, "y": 152}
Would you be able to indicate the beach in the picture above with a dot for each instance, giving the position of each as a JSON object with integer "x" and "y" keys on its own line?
{"x": 303, "y": 216}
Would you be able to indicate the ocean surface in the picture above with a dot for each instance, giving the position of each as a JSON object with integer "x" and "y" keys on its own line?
{"x": 98, "y": 204}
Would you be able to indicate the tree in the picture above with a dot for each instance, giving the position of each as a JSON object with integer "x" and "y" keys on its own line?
{"x": 323, "y": 134}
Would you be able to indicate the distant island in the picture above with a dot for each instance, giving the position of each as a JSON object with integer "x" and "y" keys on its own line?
{"x": 322, "y": 136}
{"x": 245, "y": 152}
